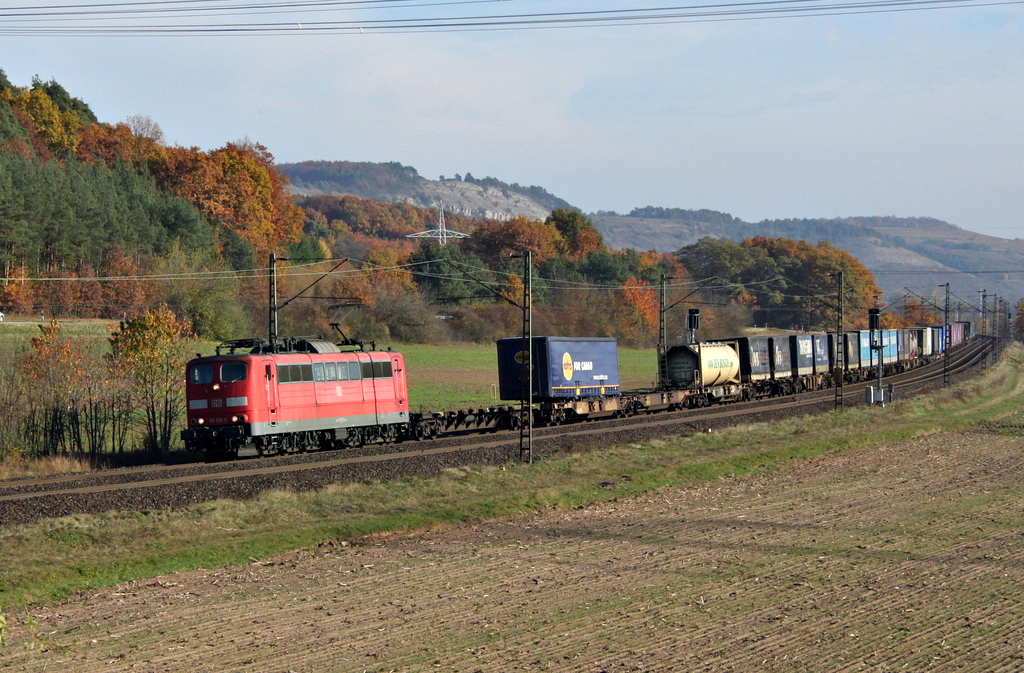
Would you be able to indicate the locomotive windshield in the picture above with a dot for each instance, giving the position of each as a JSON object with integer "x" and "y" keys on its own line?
{"x": 232, "y": 372}
{"x": 200, "y": 374}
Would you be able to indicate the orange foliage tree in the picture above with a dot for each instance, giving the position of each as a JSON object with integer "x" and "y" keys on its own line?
{"x": 810, "y": 275}
{"x": 495, "y": 241}
{"x": 150, "y": 352}
{"x": 17, "y": 294}
{"x": 236, "y": 186}
{"x": 577, "y": 235}
{"x": 75, "y": 405}
{"x": 916, "y": 314}
{"x": 637, "y": 316}
{"x": 59, "y": 131}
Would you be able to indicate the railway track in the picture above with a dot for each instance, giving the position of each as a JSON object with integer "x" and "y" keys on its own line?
{"x": 160, "y": 486}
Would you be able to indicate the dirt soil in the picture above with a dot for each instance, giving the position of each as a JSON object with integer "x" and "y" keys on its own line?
{"x": 903, "y": 557}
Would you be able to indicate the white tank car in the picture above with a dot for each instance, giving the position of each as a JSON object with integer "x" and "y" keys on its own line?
{"x": 702, "y": 365}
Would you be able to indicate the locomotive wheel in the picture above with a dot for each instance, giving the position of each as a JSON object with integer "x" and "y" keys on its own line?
{"x": 266, "y": 447}
{"x": 354, "y": 438}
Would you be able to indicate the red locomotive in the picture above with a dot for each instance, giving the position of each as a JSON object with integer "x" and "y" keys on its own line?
{"x": 299, "y": 394}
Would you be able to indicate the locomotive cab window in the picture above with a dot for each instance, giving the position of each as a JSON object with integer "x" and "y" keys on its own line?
{"x": 376, "y": 370}
{"x": 200, "y": 374}
{"x": 232, "y": 372}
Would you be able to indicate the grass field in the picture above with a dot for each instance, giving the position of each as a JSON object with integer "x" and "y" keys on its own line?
{"x": 16, "y": 335}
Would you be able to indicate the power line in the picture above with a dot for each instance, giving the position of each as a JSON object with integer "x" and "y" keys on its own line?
{"x": 147, "y": 18}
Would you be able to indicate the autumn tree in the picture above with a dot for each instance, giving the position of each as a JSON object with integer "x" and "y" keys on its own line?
{"x": 17, "y": 292}
{"x": 53, "y": 368}
{"x": 578, "y": 234}
{"x": 916, "y": 313}
{"x": 150, "y": 353}
{"x": 236, "y": 186}
{"x": 637, "y": 311}
{"x": 793, "y": 283}
{"x": 77, "y": 407}
{"x": 59, "y": 130}
{"x": 495, "y": 241}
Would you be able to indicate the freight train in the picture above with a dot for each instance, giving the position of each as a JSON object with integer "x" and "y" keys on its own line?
{"x": 260, "y": 398}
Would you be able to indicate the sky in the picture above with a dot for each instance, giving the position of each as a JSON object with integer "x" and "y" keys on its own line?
{"x": 909, "y": 113}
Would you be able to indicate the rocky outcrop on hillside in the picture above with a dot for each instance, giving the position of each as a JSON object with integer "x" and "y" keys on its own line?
{"x": 393, "y": 183}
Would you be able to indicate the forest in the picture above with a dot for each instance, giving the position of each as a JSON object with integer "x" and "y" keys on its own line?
{"x": 108, "y": 221}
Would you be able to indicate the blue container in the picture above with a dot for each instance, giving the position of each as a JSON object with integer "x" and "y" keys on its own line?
{"x": 890, "y": 340}
{"x": 782, "y": 360}
{"x": 755, "y": 358}
{"x": 562, "y": 367}
{"x": 801, "y": 347}
{"x": 851, "y": 342}
{"x": 822, "y": 358}
{"x": 938, "y": 338}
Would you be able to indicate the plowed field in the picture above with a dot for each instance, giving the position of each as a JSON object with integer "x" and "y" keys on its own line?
{"x": 903, "y": 557}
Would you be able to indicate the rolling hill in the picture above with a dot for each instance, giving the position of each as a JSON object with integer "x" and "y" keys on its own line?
{"x": 915, "y": 253}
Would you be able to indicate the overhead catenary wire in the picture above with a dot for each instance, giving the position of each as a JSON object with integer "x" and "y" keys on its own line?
{"x": 313, "y": 16}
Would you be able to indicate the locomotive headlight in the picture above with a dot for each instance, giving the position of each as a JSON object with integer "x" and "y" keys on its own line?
{"x": 200, "y": 421}
{"x": 239, "y": 419}
{"x": 216, "y": 386}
